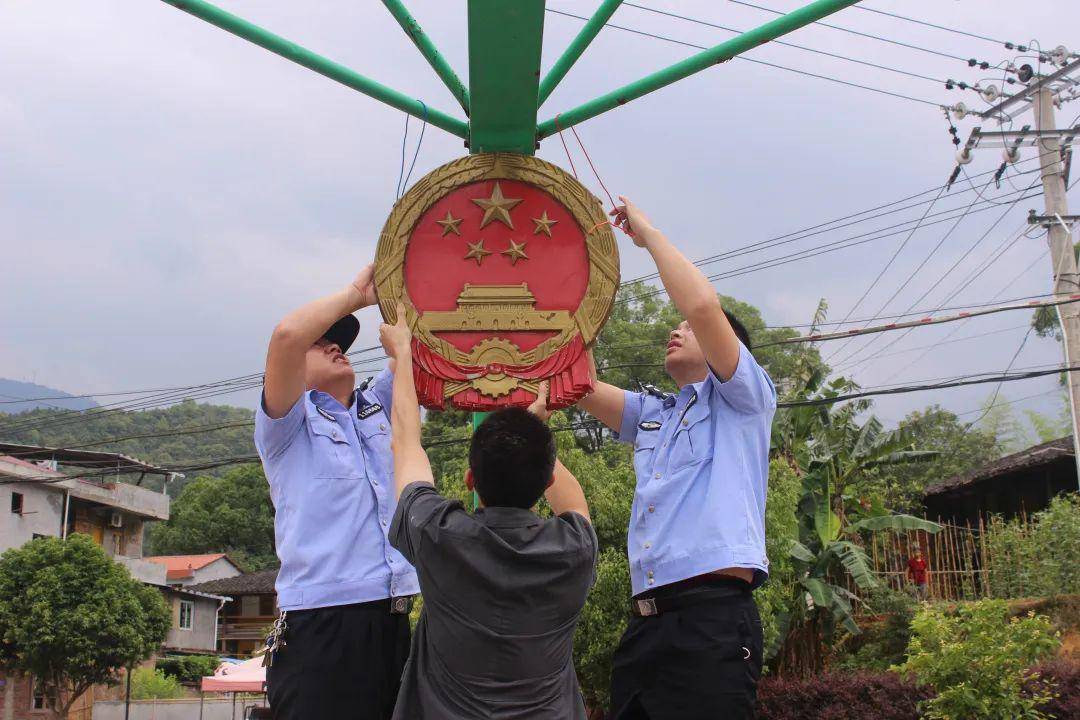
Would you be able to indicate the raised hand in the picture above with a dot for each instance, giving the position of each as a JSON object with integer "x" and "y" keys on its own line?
{"x": 365, "y": 285}
{"x": 629, "y": 218}
{"x": 539, "y": 406}
{"x": 396, "y": 339}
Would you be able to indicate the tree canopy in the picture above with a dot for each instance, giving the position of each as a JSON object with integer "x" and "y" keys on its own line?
{"x": 232, "y": 513}
{"x": 72, "y": 617}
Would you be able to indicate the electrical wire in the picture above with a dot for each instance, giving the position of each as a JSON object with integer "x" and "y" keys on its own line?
{"x": 751, "y": 60}
{"x": 785, "y": 43}
{"x": 859, "y": 33}
{"x": 929, "y": 24}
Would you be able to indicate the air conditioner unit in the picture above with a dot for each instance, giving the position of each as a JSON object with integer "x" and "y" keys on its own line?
{"x": 116, "y": 519}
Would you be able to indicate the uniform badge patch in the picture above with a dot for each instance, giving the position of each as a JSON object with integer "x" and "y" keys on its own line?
{"x": 325, "y": 414}
{"x": 369, "y": 411}
{"x": 649, "y": 425}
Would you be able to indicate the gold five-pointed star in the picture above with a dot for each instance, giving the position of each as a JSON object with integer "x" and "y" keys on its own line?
{"x": 450, "y": 224}
{"x": 476, "y": 251}
{"x": 497, "y": 207}
{"x": 543, "y": 224}
{"x": 515, "y": 252}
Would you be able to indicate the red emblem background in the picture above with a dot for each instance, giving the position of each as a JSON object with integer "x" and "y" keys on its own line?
{"x": 553, "y": 293}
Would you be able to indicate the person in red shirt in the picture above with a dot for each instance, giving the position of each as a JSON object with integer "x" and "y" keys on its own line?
{"x": 917, "y": 571}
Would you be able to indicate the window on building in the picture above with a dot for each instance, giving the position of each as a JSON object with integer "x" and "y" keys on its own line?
{"x": 118, "y": 543}
{"x": 38, "y": 698}
{"x": 187, "y": 615}
{"x": 17, "y": 503}
{"x": 266, "y": 605}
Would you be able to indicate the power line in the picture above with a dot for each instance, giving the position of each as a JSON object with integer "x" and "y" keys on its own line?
{"x": 859, "y": 33}
{"x": 706, "y": 23}
{"x": 751, "y": 60}
{"x": 929, "y": 24}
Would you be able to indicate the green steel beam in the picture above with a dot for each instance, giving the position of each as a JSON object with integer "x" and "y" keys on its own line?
{"x": 577, "y": 47}
{"x": 302, "y": 56}
{"x": 505, "y": 37}
{"x": 696, "y": 63}
{"x": 428, "y": 50}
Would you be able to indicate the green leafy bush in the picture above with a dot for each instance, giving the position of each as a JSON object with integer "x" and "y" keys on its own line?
{"x": 977, "y": 660}
{"x": 152, "y": 684}
{"x": 883, "y": 642}
{"x": 1040, "y": 558}
{"x": 188, "y": 668}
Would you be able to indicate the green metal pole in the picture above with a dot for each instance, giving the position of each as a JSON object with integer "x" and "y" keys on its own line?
{"x": 477, "y": 418}
{"x": 577, "y": 47}
{"x": 431, "y": 54}
{"x": 707, "y": 58}
{"x": 505, "y": 37}
{"x": 335, "y": 71}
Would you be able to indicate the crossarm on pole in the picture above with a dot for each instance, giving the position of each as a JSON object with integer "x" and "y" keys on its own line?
{"x": 576, "y": 47}
{"x": 328, "y": 68}
{"x": 696, "y": 63}
{"x": 430, "y": 52}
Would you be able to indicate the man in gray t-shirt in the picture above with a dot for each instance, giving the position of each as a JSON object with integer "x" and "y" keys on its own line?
{"x": 502, "y": 587}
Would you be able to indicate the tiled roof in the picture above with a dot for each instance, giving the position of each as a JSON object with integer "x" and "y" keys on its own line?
{"x": 256, "y": 583}
{"x": 1032, "y": 457}
{"x": 178, "y": 567}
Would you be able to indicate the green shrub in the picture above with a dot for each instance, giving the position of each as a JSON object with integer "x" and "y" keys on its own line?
{"x": 977, "y": 660}
{"x": 884, "y": 643}
{"x": 153, "y": 684}
{"x": 188, "y": 668}
{"x": 1036, "y": 559}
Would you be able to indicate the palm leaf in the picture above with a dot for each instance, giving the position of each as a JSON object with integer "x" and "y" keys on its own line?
{"x": 854, "y": 560}
{"x": 826, "y": 523}
{"x": 899, "y": 523}
{"x": 820, "y": 592}
{"x": 841, "y": 610}
{"x": 801, "y": 552}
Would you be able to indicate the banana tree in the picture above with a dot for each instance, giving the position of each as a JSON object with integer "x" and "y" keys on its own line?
{"x": 833, "y": 452}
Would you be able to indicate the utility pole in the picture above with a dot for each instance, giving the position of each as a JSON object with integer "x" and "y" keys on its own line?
{"x": 1061, "y": 248}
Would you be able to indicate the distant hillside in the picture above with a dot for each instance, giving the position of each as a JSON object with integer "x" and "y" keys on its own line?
{"x": 13, "y": 390}
{"x": 55, "y": 428}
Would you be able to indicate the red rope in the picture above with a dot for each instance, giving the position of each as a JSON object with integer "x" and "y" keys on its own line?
{"x": 566, "y": 149}
{"x": 596, "y": 174}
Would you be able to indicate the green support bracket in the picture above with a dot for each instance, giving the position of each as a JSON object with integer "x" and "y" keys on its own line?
{"x": 696, "y": 63}
{"x": 477, "y": 418}
{"x": 431, "y": 54}
{"x": 328, "y": 68}
{"x": 505, "y": 37}
{"x": 577, "y": 47}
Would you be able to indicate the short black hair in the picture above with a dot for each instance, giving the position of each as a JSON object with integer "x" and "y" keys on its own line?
{"x": 512, "y": 456}
{"x": 740, "y": 329}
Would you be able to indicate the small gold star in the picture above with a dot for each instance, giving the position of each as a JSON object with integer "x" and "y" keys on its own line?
{"x": 450, "y": 224}
{"x": 497, "y": 207}
{"x": 543, "y": 224}
{"x": 476, "y": 251}
{"x": 515, "y": 252}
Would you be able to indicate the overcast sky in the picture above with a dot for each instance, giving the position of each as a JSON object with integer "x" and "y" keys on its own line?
{"x": 169, "y": 191}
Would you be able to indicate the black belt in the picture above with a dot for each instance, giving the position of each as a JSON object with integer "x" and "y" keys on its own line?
{"x": 687, "y": 593}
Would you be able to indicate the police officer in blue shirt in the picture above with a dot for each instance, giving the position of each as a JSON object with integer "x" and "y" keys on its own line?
{"x": 340, "y": 646}
{"x": 693, "y": 647}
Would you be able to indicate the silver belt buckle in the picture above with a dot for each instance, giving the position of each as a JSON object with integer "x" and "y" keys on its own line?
{"x": 399, "y": 605}
{"x": 646, "y": 607}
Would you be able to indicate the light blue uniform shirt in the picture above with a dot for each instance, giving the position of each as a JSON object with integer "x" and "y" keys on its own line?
{"x": 332, "y": 483}
{"x": 702, "y": 465}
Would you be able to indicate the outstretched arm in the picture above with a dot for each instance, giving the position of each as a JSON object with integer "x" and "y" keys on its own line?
{"x": 605, "y": 402}
{"x": 688, "y": 288}
{"x": 410, "y": 461}
{"x": 565, "y": 493}
{"x": 284, "y": 380}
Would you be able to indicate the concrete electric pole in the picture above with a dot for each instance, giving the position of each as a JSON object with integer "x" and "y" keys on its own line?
{"x": 1041, "y": 93}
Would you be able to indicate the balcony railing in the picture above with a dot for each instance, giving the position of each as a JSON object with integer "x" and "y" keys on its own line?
{"x": 248, "y": 627}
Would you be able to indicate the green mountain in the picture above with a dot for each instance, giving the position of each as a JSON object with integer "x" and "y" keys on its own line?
{"x": 17, "y": 397}
{"x": 185, "y": 433}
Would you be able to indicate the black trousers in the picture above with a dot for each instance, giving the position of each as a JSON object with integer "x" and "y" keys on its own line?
{"x": 339, "y": 662}
{"x": 700, "y": 661}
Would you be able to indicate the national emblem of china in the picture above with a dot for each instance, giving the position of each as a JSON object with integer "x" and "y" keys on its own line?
{"x": 508, "y": 269}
